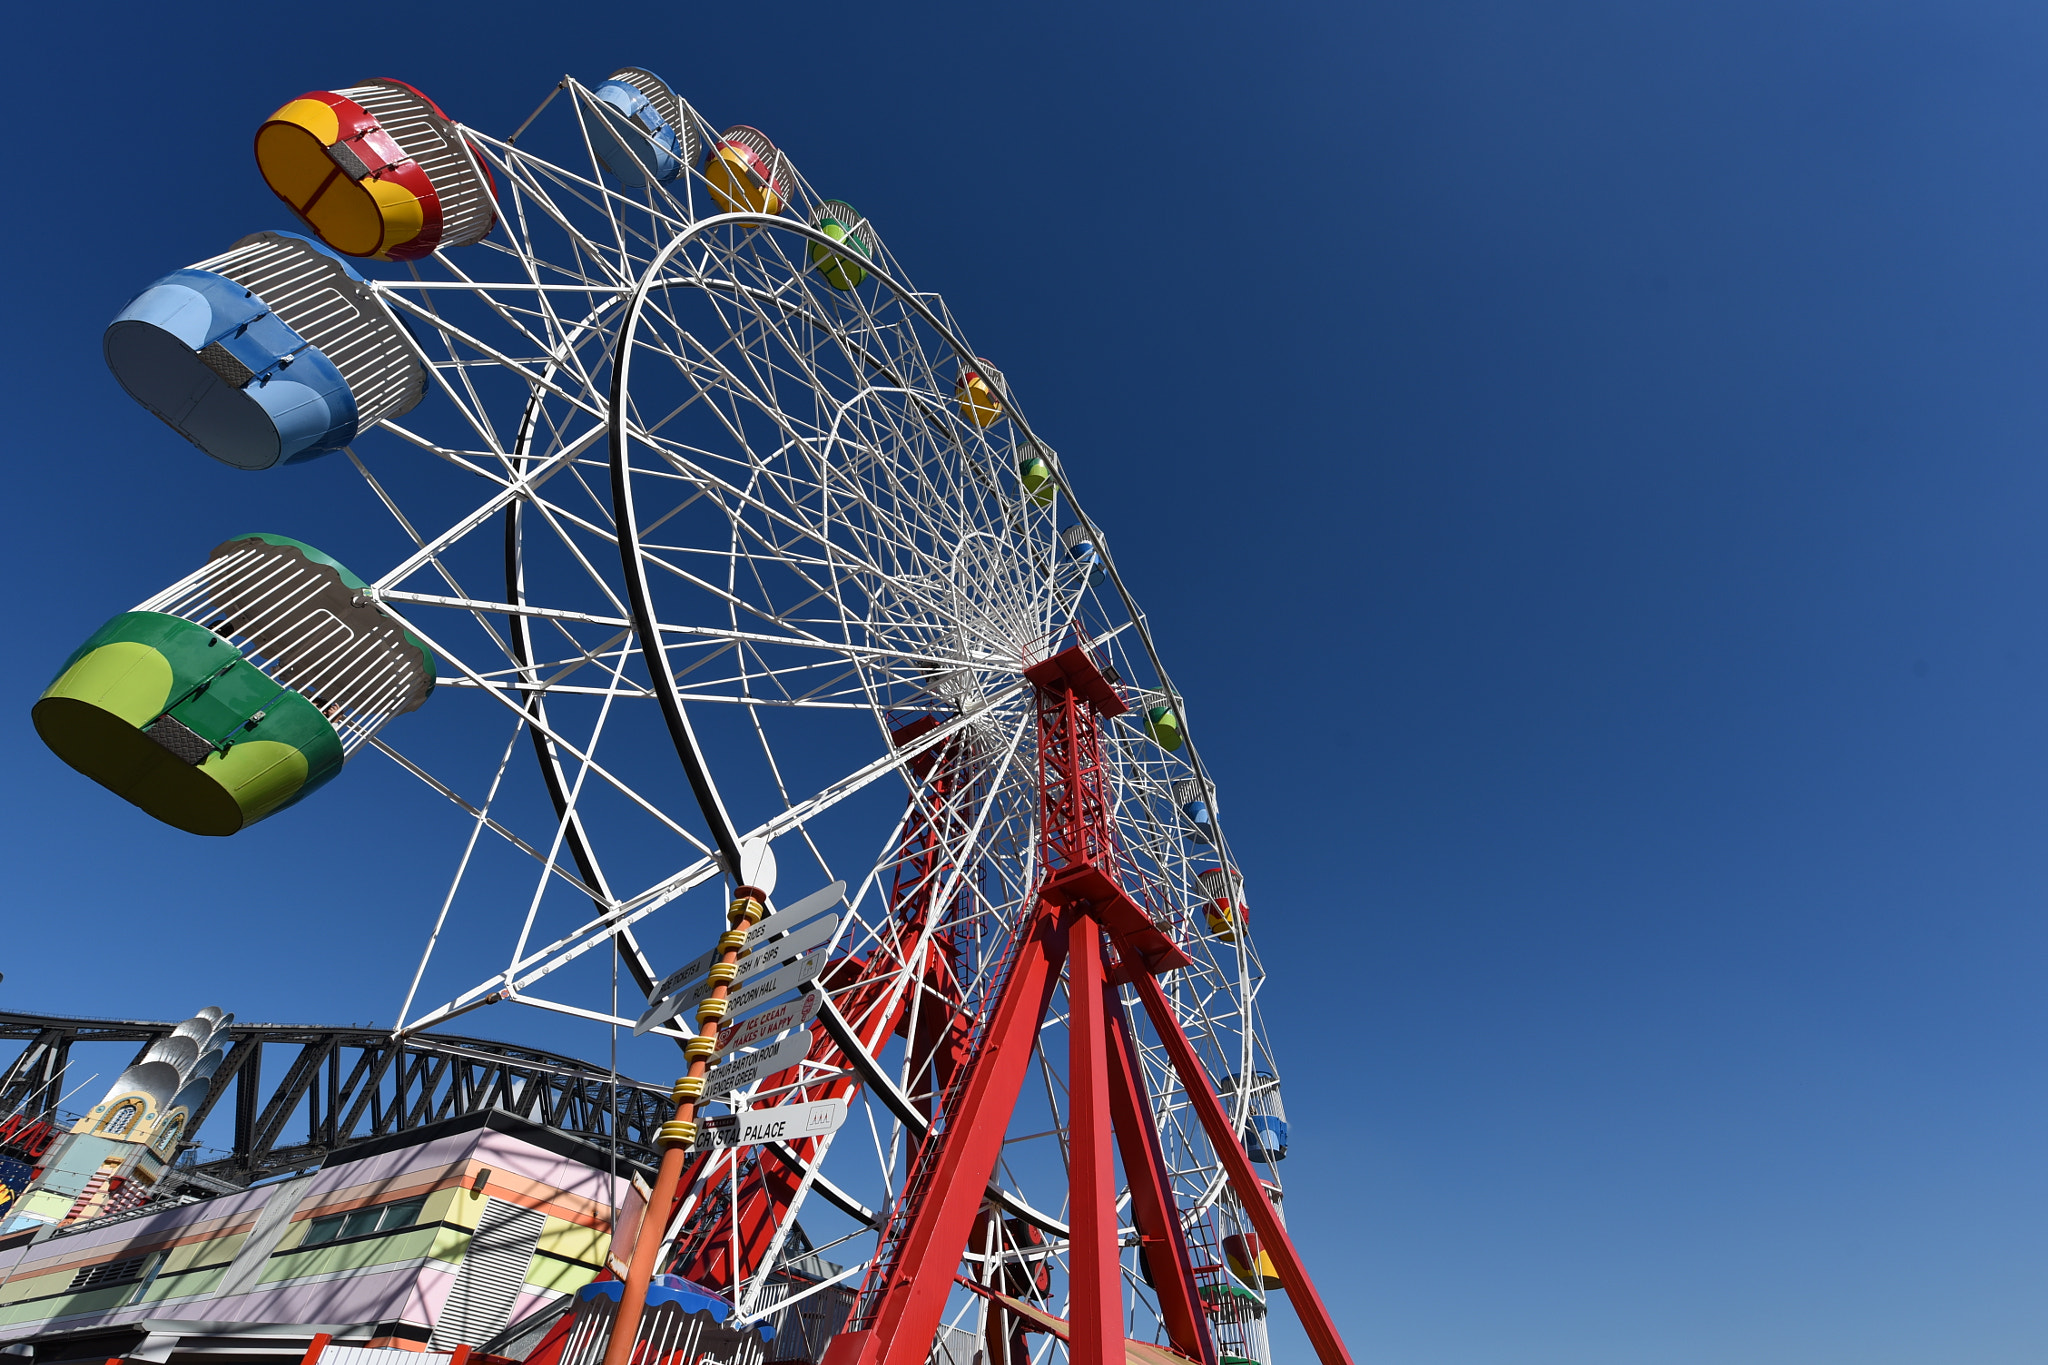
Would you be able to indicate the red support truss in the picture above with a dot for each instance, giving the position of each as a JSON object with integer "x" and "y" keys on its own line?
{"x": 1085, "y": 919}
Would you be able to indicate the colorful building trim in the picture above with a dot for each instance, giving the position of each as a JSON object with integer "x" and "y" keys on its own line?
{"x": 435, "y": 1237}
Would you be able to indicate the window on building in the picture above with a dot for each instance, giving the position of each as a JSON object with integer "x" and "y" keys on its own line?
{"x": 336, "y": 1227}
{"x": 149, "y": 1274}
{"x": 122, "y": 1119}
{"x": 167, "y": 1140}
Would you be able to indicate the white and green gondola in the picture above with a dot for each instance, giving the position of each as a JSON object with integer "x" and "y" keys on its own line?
{"x": 236, "y": 691}
{"x": 842, "y": 222}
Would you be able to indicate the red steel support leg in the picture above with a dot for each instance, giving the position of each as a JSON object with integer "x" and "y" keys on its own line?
{"x": 1251, "y": 1191}
{"x": 1095, "y": 1298}
{"x": 920, "y": 1277}
{"x": 1153, "y": 1207}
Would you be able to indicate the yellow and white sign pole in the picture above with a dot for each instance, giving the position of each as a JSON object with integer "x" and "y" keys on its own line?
{"x": 677, "y": 1135}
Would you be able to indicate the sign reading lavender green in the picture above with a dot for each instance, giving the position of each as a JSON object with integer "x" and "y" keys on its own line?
{"x": 743, "y": 1071}
{"x": 783, "y": 1123}
{"x": 752, "y": 1032}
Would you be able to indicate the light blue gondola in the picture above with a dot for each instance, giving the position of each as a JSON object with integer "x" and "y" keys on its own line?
{"x": 271, "y": 353}
{"x": 1265, "y": 1127}
{"x": 1187, "y": 794}
{"x": 1081, "y": 545}
{"x": 644, "y": 135}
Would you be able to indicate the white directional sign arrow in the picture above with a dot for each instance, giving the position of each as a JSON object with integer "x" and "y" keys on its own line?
{"x": 783, "y": 1123}
{"x": 802, "y": 940}
{"x": 743, "y": 1071}
{"x": 751, "y": 992}
{"x": 767, "y": 1024}
{"x": 760, "y": 960}
{"x": 781, "y": 922}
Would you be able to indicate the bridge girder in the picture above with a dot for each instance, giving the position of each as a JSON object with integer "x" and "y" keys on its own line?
{"x": 345, "y": 1085}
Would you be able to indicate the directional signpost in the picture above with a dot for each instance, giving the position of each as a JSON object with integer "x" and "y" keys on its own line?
{"x": 783, "y": 1123}
{"x": 720, "y": 1035}
{"x": 760, "y": 960}
{"x": 781, "y": 922}
{"x": 741, "y": 1072}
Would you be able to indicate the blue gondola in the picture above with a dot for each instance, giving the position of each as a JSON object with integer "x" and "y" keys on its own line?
{"x": 643, "y": 134}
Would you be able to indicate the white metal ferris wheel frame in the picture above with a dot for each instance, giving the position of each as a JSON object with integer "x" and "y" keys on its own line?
{"x": 609, "y": 312}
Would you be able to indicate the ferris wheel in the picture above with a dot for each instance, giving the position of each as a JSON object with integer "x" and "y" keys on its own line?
{"x": 746, "y": 576}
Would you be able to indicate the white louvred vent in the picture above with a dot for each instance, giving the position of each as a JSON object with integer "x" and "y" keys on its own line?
{"x": 487, "y": 1285}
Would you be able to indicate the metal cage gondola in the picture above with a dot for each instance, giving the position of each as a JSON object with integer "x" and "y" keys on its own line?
{"x": 645, "y": 132}
{"x": 237, "y": 690}
{"x": 377, "y": 169}
{"x": 274, "y": 352}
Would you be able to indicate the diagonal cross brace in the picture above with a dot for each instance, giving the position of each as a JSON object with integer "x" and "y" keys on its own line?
{"x": 1251, "y": 1191}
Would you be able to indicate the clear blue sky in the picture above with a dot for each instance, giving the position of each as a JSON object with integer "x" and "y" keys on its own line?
{"x": 1584, "y": 461}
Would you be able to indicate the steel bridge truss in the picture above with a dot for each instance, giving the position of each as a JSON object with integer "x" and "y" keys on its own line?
{"x": 337, "y": 1086}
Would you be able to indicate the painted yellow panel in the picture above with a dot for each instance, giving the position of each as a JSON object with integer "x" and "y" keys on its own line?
{"x": 1265, "y": 1275}
{"x": 293, "y": 157}
{"x": 736, "y": 187}
{"x": 558, "y": 1277}
{"x": 131, "y": 680}
{"x": 454, "y": 1205}
{"x": 977, "y": 401}
{"x": 348, "y": 218}
{"x": 401, "y": 211}
{"x": 204, "y": 1253}
{"x": 315, "y": 116}
{"x": 559, "y": 1238}
{"x": 45, "y": 1204}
